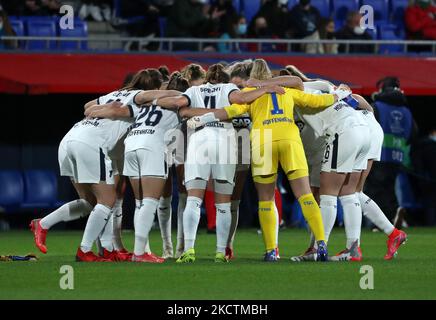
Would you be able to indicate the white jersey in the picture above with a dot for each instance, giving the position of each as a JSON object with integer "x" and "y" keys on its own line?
{"x": 331, "y": 120}
{"x": 211, "y": 96}
{"x": 106, "y": 133}
{"x": 152, "y": 125}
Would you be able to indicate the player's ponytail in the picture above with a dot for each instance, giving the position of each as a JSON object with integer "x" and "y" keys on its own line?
{"x": 260, "y": 70}
{"x": 165, "y": 72}
{"x": 294, "y": 71}
{"x": 216, "y": 74}
{"x": 193, "y": 73}
{"x": 145, "y": 79}
{"x": 177, "y": 82}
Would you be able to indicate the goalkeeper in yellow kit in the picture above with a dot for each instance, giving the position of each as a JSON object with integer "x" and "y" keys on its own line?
{"x": 275, "y": 139}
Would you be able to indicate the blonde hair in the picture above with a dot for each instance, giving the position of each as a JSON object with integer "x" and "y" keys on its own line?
{"x": 260, "y": 70}
{"x": 193, "y": 72}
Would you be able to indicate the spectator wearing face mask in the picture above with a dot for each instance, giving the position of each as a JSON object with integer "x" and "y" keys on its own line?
{"x": 303, "y": 21}
{"x": 353, "y": 31}
{"x": 421, "y": 20}
{"x": 237, "y": 30}
{"x": 275, "y": 14}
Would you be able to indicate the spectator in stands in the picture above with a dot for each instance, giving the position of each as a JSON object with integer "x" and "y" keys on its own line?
{"x": 13, "y": 8}
{"x": 275, "y": 14}
{"x": 423, "y": 156}
{"x": 420, "y": 19}
{"x": 190, "y": 19}
{"x": 33, "y": 8}
{"x": 51, "y": 7}
{"x": 327, "y": 32}
{"x": 6, "y": 30}
{"x": 238, "y": 30}
{"x": 399, "y": 127}
{"x": 353, "y": 31}
{"x": 304, "y": 20}
{"x": 148, "y": 26}
{"x": 164, "y": 6}
{"x": 227, "y": 16}
{"x": 99, "y": 10}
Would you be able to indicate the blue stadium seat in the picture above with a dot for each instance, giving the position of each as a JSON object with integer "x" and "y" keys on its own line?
{"x": 41, "y": 28}
{"x": 387, "y": 34}
{"x": 342, "y": 7}
{"x": 80, "y": 30}
{"x": 381, "y": 9}
{"x": 40, "y": 189}
{"x": 11, "y": 189}
{"x": 250, "y": 8}
{"x": 398, "y": 8}
{"x": 17, "y": 26}
{"x": 323, "y": 6}
{"x": 292, "y": 3}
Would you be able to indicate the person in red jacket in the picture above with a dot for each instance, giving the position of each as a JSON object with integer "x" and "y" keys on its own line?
{"x": 421, "y": 20}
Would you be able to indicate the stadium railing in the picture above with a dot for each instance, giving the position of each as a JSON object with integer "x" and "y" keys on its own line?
{"x": 198, "y": 44}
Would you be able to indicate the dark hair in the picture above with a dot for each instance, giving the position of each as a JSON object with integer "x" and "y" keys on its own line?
{"x": 216, "y": 74}
{"x": 165, "y": 72}
{"x": 177, "y": 82}
{"x": 127, "y": 79}
{"x": 193, "y": 72}
{"x": 388, "y": 83}
{"x": 241, "y": 70}
{"x": 145, "y": 79}
{"x": 293, "y": 70}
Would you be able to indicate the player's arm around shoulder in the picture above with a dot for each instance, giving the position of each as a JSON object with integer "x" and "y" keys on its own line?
{"x": 112, "y": 110}
{"x": 303, "y": 99}
{"x": 148, "y": 96}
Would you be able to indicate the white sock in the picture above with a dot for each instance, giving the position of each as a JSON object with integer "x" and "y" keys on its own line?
{"x": 107, "y": 234}
{"x": 191, "y": 218}
{"x": 138, "y": 205}
{"x": 164, "y": 215}
{"x": 94, "y": 226}
{"x": 117, "y": 224}
{"x": 328, "y": 206}
{"x": 235, "y": 217}
{"x": 70, "y": 211}
{"x": 373, "y": 212}
{"x": 352, "y": 218}
{"x": 144, "y": 222}
{"x": 223, "y": 223}
{"x": 180, "y": 209}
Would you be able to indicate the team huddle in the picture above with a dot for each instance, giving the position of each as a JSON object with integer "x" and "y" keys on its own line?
{"x": 211, "y": 128}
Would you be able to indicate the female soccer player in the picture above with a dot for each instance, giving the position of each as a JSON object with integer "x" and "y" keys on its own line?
{"x": 146, "y": 164}
{"x": 83, "y": 156}
{"x": 275, "y": 139}
{"x": 218, "y": 162}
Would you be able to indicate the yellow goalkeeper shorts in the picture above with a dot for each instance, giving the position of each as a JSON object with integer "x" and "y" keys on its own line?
{"x": 266, "y": 158}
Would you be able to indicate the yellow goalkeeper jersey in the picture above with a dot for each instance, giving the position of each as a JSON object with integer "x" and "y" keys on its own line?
{"x": 272, "y": 114}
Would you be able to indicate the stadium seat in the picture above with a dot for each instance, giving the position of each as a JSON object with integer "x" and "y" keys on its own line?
{"x": 323, "y": 6}
{"x": 397, "y": 11}
{"x": 40, "y": 189}
{"x": 292, "y": 3}
{"x": 250, "y": 8}
{"x": 80, "y": 30}
{"x": 11, "y": 189}
{"x": 17, "y": 26}
{"x": 41, "y": 28}
{"x": 381, "y": 9}
{"x": 342, "y": 7}
{"x": 387, "y": 34}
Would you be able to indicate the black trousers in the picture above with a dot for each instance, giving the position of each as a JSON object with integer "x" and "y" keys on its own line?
{"x": 380, "y": 187}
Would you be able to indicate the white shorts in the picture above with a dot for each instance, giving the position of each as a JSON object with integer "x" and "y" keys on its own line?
{"x": 146, "y": 162}
{"x": 347, "y": 151}
{"x": 215, "y": 158}
{"x": 377, "y": 137}
{"x": 84, "y": 164}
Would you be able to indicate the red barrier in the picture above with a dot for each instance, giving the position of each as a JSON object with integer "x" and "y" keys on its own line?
{"x": 100, "y": 73}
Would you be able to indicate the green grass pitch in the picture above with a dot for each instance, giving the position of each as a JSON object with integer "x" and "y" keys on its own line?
{"x": 412, "y": 275}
